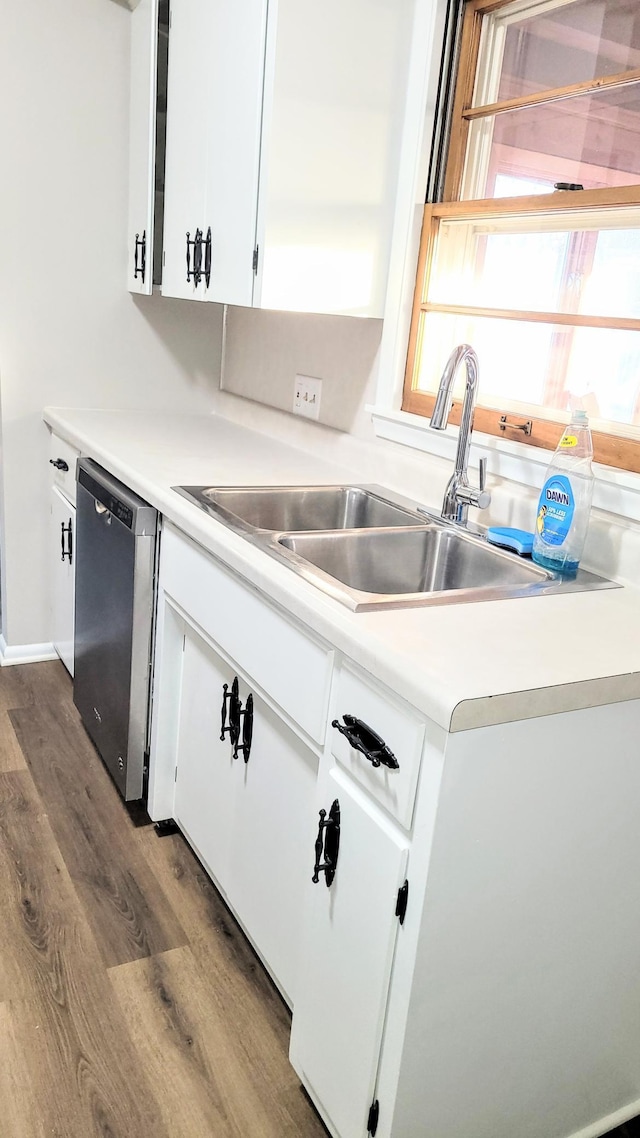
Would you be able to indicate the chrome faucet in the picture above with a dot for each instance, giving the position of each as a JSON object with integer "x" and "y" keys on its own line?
{"x": 459, "y": 495}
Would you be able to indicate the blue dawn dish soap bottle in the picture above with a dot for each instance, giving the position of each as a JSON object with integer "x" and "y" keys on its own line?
{"x": 565, "y": 501}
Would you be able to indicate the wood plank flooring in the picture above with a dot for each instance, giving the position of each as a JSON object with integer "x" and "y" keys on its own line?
{"x": 131, "y": 1005}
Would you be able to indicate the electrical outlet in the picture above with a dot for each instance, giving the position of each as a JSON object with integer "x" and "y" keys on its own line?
{"x": 306, "y": 396}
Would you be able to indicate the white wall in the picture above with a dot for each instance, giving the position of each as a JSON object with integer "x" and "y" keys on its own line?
{"x": 70, "y": 334}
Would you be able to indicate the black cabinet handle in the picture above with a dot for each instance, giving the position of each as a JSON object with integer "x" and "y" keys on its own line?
{"x": 362, "y": 738}
{"x": 246, "y": 715}
{"x": 207, "y": 258}
{"x": 68, "y": 551}
{"x": 230, "y": 704}
{"x": 329, "y": 838}
{"x": 196, "y": 271}
{"x": 59, "y": 463}
{"x": 140, "y": 267}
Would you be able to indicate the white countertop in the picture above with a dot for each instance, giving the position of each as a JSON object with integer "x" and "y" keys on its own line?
{"x": 464, "y": 666}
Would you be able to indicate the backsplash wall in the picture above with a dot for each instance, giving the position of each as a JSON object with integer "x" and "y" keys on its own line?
{"x": 264, "y": 351}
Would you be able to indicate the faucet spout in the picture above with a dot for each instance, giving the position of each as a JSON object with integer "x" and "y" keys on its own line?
{"x": 459, "y": 494}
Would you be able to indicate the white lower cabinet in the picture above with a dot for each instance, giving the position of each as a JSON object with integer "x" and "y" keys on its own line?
{"x": 503, "y": 1000}
{"x": 245, "y": 803}
{"x": 350, "y": 932}
{"x": 204, "y": 764}
{"x": 63, "y": 524}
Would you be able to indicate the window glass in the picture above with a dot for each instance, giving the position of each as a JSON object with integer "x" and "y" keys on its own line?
{"x": 590, "y": 140}
{"x": 566, "y": 43}
{"x": 540, "y": 265}
{"x": 540, "y": 369}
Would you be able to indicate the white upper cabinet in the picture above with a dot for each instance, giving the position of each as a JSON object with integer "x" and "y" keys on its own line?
{"x": 216, "y": 70}
{"x": 142, "y": 146}
{"x": 334, "y": 107}
{"x": 283, "y": 126}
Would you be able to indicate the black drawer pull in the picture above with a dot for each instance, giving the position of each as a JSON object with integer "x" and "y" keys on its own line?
{"x": 329, "y": 837}
{"x": 141, "y": 244}
{"x": 362, "y": 738}
{"x": 230, "y": 702}
{"x": 59, "y": 463}
{"x": 207, "y": 258}
{"x": 246, "y": 715}
{"x": 196, "y": 271}
{"x": 67, "y": 550}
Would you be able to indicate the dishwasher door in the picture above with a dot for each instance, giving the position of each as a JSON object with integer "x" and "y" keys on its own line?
{"x": 115, "y": 560}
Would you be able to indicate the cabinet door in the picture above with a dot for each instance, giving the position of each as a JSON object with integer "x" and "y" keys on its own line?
{"x": 347, "y": 955}
{"x": 235, "y": 57}
{"x": 186, "y": 142}
{"x": 142, "y": 146}
{"x": 247, "y": 821}
{"x": 275, "y": 792}
{"x": 63, "y": 524}
{"x": 328, "y": 192}
{"x": 206, "y": 774}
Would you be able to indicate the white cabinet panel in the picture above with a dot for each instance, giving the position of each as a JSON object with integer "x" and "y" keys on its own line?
{"x": 62, "y": 531}
{"x": 62, "y": 461}
{"x": 284, "y": 122}
{"x": 273, "y": 842}
{"x": 249, "y": 822}
{"x": 186, "y": 147}
{"x": 205, "y": 767}
{"x": 400, "y": 729}
{"x": 332, "y": 136}
{"x": 289, "y": 665}
{"x": 346, "y": 959}
{"x": 214, "y": 117}
{"x": 231, "y": 123}
{"x": 142, "y": 146}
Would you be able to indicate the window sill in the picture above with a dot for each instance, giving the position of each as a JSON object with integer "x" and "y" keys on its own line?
{"x": 616, "y": 491}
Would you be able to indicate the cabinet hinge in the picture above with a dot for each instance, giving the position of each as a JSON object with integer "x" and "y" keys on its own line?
{"x": 255, "y": 258}
{"x": 374, "y": 1115}
{"x": 175, "y": 775}
{"x": 401, "y": 903}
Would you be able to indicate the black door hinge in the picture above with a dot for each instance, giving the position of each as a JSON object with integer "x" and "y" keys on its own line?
{"x": 255, "y": 258}
{"x": 401, "y": 903}
{"x": 374, "y": 1115}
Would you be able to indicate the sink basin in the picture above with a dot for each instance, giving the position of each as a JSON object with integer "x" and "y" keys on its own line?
{"x": 278, "y": 508}
{"x": 407, "y": 566}
{"x": 370, "y": 548}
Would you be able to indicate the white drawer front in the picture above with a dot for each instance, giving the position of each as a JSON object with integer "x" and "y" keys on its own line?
{"x": 289, "y": 666}
{"x": 65, "y": 480}
{"x": 400, "y": 728}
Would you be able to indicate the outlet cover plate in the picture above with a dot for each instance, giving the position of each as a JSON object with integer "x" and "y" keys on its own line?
{"x": 306, "y": 396}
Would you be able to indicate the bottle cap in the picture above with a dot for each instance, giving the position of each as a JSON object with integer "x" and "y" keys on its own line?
{"x": 579, "y": 416}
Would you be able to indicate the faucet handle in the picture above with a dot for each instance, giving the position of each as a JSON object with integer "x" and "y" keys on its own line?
{"x": 476, "y": 496}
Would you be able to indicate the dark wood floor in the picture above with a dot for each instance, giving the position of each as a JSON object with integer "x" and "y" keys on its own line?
{"x": 131, "y": 1005}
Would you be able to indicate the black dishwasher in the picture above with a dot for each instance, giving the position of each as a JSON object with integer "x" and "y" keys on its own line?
{"x": 115, "y": 564}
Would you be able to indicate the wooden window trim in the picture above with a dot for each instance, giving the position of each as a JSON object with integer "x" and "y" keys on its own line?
{"x": 553, "y": 95}
{"x": 612, "y": 450}
{"x": 561, "y": 201}
{"x": 609, "y": 449}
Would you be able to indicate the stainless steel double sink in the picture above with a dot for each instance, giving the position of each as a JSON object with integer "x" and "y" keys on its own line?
{"x": 369, "y": 548}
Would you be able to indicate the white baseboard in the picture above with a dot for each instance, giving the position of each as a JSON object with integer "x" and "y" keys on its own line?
{"x": 25, "y": 653}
